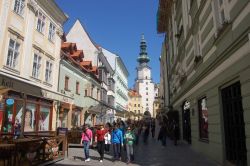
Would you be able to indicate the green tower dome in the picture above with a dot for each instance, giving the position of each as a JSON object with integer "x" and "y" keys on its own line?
{"x": 143, "y": 56}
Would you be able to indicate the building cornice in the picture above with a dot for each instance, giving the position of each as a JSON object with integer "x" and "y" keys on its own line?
{"x": 53, "y": 10}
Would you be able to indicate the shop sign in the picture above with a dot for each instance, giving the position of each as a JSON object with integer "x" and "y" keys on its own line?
{"x": 10, "y": 101}
{"x": 62, "y": 131}
{"x": 7, "y": 83}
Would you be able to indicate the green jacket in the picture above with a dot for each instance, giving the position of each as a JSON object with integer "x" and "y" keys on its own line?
{"x": 129, "y": 137}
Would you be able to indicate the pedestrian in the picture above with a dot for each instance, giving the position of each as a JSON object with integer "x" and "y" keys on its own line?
{"x": 86, "y": 140}
{"x": 17, "y": 129}
{"x": 117, "y": 141}
{"x": 99, "y": 138}
{"x": 145, "y": 133}
{"x": 129, "y": 138}
{"x": 107, "y": 138}
{"x": 153, "y": 128}
{"x": 163, "y": 134}
{"x": 175, "y": 132}
{"x": 136, "y": 132}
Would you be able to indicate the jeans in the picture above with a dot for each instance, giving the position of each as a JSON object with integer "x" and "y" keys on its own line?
{"x": 86, "y": 148}
{"x": 100, "y": 148}
{"x": 130, "y": 152}
{"x": 117, "y": 150}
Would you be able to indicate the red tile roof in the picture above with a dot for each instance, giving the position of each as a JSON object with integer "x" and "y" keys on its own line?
{"x": 133, "y": 93}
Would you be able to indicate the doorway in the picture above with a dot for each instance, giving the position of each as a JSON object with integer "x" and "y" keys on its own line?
{"x": 234, "y": 126}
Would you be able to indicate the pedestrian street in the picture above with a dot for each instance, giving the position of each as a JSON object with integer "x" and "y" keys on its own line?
{"x": 152, "y": 154}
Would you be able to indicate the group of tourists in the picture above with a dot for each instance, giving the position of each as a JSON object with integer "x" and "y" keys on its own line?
{"x": 123, "y": 137}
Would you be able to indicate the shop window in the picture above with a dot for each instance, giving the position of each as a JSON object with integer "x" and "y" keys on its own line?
{"x": 8, "y": 119}
{"x": 1, "y": 115}
{"x": 13, "y": 54}
{"x": 203, "y": 118}
{"x": 44, "y": 118}
{"x": 64, "y": 118}
{"x": 75, "y": 122}
{"x": 29, "y": 117}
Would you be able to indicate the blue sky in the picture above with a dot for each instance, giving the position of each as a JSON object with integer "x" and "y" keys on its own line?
{"x": 117, "y": 25}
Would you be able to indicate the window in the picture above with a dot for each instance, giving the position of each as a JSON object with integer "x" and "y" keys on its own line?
{"x": 147, "y": 104}
{"x": 92, "y": 90}
{"x": 63, "y": 116}
{"x": 146, "y": 99}
{"x": 44, "y": 118}
{"x": 66, "y": 83}
{"x": 36, "y": 66}
{"x": 138, "y": 105}
{"x": 221, "y": 10}
{"x": 196, "y": 45}
{"x": 135, "y": 111}
{"x": 86, "y": 92}
{"x": 19, "y": 6}
{"x": 40, "y": 22}
{"x": 48, "y": 72}
{"x": 52, "y": 29}
{"x": 146, "y": 83}
{"x": 146, "y": 88}
{"x": 134, "y": 105}
{"x": 146, "y": 93}
{"x": 203, "y": 118}
{"x": 29, "y": 117}
{"x": 97, "y": 94}
{"x": 13, "y": 53}
{"x": 77, "y": 87}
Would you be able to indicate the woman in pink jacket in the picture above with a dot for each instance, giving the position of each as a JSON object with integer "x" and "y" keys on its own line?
{"x": 86, "y": 140}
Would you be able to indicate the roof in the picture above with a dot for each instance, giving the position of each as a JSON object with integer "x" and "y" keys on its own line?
{"x": 133, "y": 93}
{"x": 71, "y": 54}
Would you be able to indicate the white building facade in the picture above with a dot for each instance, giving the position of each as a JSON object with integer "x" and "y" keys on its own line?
{"x": 121, "y": 83}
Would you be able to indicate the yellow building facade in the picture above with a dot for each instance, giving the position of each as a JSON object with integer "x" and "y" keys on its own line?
{"x": 135, "y": 104}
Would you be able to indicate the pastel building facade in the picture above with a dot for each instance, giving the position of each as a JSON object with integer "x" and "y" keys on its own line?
{"x": 30, "y": 42}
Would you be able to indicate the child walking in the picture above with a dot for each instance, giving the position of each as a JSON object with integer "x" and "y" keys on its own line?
{"x": 107, "y": 138}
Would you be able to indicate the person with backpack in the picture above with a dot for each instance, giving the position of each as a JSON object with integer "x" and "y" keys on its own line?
{"x": 100, "y": 133}
{"x": 129, "y": 138}
{"x": 117, "y": 141}
{"x": 86, "y": 141}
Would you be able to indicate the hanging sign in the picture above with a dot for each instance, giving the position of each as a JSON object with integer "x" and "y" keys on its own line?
{"x": 10, "y": 101}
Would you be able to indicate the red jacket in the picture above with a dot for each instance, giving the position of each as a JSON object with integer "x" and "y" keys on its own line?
{"x": 100, "y": 134}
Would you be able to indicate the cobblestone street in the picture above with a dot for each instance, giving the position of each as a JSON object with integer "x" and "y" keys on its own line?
{"x": 152, "y": 154}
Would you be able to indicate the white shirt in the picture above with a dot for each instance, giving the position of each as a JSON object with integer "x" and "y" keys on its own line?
{"x": 107, "y": 138}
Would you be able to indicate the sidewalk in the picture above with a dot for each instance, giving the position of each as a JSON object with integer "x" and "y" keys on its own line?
{"x": 152, "y": 154}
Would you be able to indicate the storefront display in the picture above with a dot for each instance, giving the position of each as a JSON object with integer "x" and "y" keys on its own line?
{"x": 44, "y": 118}
{"x": 29, "y": 117}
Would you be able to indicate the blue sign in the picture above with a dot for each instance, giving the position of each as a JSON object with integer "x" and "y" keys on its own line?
{"x": 10, "y": 101}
